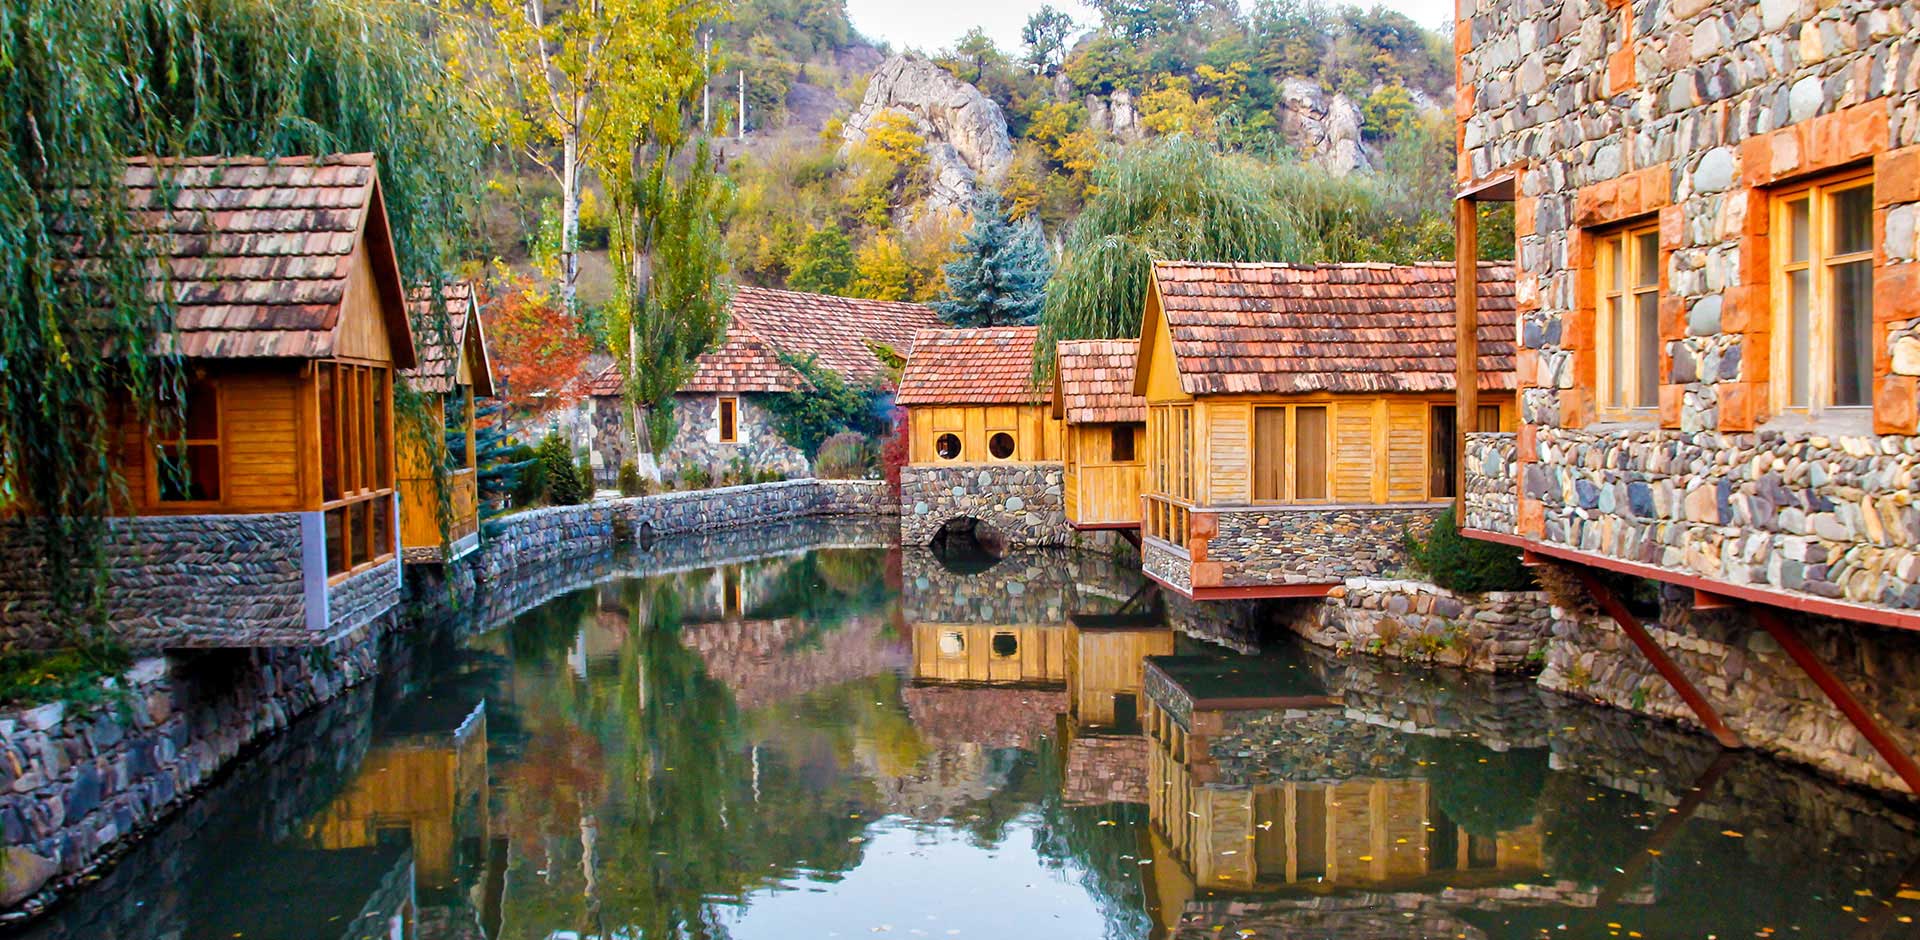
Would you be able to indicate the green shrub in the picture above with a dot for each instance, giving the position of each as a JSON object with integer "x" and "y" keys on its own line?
{"x": 695, "y": 478}
{"x": 34, "y": 677}
{"x": 631, "y": 483}
{"x": 561, "y": 478}
{"x": 848, "y": 455}
{"x": 1464, "y": 565}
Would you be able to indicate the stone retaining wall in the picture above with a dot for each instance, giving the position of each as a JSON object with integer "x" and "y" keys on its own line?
{"x": 173, "y": 581}
{"x": 1024, "y": 502}
{"x": 1499, "y": 631}
{"x": 77, "y": 783}
{"x": 1313, "y": 545}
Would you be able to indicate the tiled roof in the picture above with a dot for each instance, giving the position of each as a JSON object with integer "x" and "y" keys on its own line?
{"x": 1281, "y": 328}
{"x": 260, "y": 250}
{"x": 1094, "y": 381}
{"x": 764, "y": 322}
{"x": 439, "y": 355}
{"x": 991, "y": 365}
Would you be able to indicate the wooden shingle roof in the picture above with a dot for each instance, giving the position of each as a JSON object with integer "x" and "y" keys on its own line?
{"x": 1291, "y": 328}
{"x": 260, "y": 251}
{"x": 990, "y": 365}
{"x": 438, "y": 353}
{"x": 1093, "y": 382}
{"x": 763, "y": 322}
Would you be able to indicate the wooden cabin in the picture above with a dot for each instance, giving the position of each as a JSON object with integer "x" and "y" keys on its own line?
{"x": 971, "y": 399}
{"x": 1104, "y": 436}
{"x": 262, "y": 512}
{"x": 1301, "y": 418}
{"x": 454, "y": 368}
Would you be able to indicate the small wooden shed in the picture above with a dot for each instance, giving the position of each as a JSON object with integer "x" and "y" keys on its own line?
{"x": 454, "y": 369}
{"x": 1105, "y": 431}
{"x": 971, "y": 398}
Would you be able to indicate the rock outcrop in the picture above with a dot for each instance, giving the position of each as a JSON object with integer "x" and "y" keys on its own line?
{"x": 1323, "y": 126}
{"x": 966, "y": 132}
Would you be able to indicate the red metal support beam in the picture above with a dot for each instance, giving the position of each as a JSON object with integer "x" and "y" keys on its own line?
{"x": 1662, "y": 663}
{"x": 1836, "y": 691}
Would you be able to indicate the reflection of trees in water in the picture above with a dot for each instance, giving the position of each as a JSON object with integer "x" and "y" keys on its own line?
{"x": 1101, "y": 845}
{"x": 1486, "y": 792}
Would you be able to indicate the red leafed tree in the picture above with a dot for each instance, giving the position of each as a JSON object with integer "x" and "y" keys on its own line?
{"x": 538, "y": 351}
{"x": 893, "y": 452}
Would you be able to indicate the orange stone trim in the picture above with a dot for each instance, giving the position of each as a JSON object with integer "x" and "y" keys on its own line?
{"x": 1620, "y": 73}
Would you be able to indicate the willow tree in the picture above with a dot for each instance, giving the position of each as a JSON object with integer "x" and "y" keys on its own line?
{"x": 1179, "y": 198}
{"x": 89, "y": 83}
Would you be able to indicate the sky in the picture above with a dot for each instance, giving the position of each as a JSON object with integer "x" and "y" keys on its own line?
{"x": 929, "y": 25}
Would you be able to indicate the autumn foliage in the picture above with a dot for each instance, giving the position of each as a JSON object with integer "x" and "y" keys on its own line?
{"x": 538, "y": 352}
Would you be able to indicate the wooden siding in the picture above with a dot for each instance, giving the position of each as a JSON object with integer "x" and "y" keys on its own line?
{"x": 1036, "y": 433}
{"x": 262, "y": 460}
{"x": 1228, "y": 476}
{"x": 1104, "y": 664}
{"x": 1160, "y": 382}
{"x": 363, "y": 320}
{"x": 967, "y": 653}
{"x": 1099, "y": 490}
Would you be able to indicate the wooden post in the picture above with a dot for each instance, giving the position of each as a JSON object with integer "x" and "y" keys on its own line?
{"x": 1466, "y": 305}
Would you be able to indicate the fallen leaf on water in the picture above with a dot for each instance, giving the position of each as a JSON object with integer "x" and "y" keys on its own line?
{"x": 1729, "y": 833}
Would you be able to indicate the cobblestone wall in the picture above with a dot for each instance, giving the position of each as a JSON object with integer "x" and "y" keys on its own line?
{"x": 1493, "y": 479}
{"x": 361, "y": 598}
{"x": 1499, "y": 631}
{"x": 78, "y": 783}
{"x": 1023, "y": 502}
{"x": 175, "y": 581}
{"x": 697, "y": 446}
{"x": 1318, "y": 545}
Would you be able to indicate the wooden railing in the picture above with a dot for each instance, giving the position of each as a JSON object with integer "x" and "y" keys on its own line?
{"x": 1165, "y": 520}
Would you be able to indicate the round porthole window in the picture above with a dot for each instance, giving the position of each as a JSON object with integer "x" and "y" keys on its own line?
{"x": 1000, "y": 445}
{"x": 1006, "y": 645}
{"x": 947, "y": 446}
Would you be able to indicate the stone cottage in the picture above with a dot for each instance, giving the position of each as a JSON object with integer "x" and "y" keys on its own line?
{"x": 265, "y": 514}
{"x": 984, "y": 446}
{"x": 1301, "y": 419}
{"x": 720, "y": 414}
{"x": 1714, "y": 208}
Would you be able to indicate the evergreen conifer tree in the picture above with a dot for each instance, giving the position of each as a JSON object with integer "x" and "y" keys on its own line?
{"x": 1000, "y": 276}
{"x": 501, "y": 459}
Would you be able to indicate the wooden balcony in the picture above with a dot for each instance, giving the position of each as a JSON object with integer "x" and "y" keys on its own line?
{"x": 420, "y": 522}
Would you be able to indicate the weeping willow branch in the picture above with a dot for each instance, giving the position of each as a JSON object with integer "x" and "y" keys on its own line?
{"x": 89, "y": 83}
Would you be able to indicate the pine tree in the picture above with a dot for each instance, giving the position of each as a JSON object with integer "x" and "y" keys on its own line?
{"x": 501, "y": 459}
{"x": 1000, "y": 276}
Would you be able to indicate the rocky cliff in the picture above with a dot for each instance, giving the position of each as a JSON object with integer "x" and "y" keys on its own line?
{"x": 966, "y": 132}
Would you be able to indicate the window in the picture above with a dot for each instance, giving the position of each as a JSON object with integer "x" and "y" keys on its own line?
{"x": 729, "y": 420}
{"x": 1000, "y": 445}
{"x": 1441, "y": 455}
{"x": 947, "y": 446}
{"x": 1297, "y": 429}
{"x": 1823, "y": 295}
{"x": 187, "y": 458}
{"x": 356, "y": 464}
{"x": 1629, "y": 327}
{"x": 1006, "y": 645}
{"x": 1122, "y": 443}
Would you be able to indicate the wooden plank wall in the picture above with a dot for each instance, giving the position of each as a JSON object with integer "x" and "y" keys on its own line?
{"x": 1100, "y": 491}
{"x": 260, "y": 452}
{"x": 1036, "y": 433}
{"x": 1039, "y": 653}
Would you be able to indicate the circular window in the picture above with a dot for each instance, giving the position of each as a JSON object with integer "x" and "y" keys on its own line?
{"x": 1006, "y": 645}
{"x": 1000, "y": 445}
{"x": 947, "y": 446}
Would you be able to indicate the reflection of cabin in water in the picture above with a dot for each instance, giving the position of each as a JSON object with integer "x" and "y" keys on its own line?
{"x": 453, "y": 369}
{"x": 1300, "y": 418}
{"x": 1337, "y": 803}
{"x": 260, "y": 511}
{"x": 1105, "y": 448}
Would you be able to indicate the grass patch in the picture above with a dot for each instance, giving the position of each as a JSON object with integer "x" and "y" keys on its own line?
{"x": 35, "y": 677}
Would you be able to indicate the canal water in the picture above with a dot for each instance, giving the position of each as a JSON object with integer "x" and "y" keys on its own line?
{"x": 854, "y": 741}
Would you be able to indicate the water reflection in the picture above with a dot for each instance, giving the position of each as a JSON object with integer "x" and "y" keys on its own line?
{"x": 848, "y": 741}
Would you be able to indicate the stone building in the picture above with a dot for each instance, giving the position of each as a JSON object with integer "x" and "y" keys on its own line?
{"x": 983, "y": 444}
{"x": 264, "y": 514}
{"x": 721, "y": 421}
{"x": 1300, "y": 419}
{"x": 1104, "y": 446}
{"x": 1714, "y": 207}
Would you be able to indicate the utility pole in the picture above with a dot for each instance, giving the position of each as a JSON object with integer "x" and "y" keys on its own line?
{"x": 743, "y": 104}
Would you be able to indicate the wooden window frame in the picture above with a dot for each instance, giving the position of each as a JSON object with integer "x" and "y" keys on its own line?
{"x": 364, "y": 465}
{"x": 1290, "y": 469}
{"x": 1115, "y": 434}
{"x": 1821, "y": 262}
{"x": 1612, "y": 305}
{"x": 218, "y": 442}
{"x": 726, "y": 417}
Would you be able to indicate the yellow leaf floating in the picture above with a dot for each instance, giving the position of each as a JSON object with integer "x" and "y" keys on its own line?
{"x": 1729, "y": 833}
